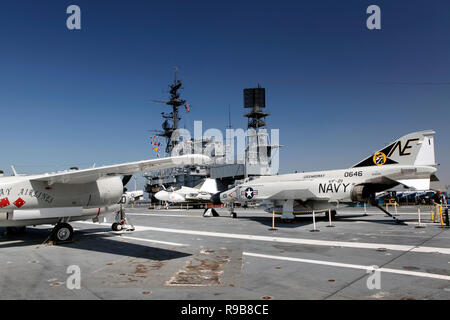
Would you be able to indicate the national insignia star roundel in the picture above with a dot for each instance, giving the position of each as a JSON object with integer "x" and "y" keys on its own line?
{"x": 249, "y": 193}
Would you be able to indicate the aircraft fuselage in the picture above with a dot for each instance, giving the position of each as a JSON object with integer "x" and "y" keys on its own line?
{"x": 322, "y": 190}
{"x": 22, "y": 200}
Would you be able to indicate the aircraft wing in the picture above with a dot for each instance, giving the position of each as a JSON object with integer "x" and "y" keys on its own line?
{"x": 93, "y": 174}
{"x": 295, "y": 194}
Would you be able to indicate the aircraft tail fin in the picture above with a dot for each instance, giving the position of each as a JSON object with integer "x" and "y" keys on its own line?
{"x": 209, "y": 185}
{"x": 412, "y": 149}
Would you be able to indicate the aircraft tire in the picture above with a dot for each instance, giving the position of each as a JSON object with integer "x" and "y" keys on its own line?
{"x": 116, "y": 226}
{"x": 62, "y": 232}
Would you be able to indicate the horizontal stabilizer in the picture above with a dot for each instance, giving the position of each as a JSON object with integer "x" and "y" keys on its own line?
{"x": 436, "y": 184}
{"x": 417, "y": 184}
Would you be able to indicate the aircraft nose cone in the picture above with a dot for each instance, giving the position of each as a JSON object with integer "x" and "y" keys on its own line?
{"x": 215, "y": 198}
{"x": 161, "y": 196}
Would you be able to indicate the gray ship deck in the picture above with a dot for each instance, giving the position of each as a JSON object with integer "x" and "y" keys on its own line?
{"x": 178, "y": 254}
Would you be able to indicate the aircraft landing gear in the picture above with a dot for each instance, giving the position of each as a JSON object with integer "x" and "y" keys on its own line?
{"x": 62, "y": 232}
{"x": 122, "y": 223}
{"x": 232, "y": 213}
{"x": 116, "y": 226}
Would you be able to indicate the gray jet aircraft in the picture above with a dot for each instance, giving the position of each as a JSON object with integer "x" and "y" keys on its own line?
{"x": 408, "y": 161}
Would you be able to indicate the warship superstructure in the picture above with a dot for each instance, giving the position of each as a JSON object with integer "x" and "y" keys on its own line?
{"x": 258, "y": 151}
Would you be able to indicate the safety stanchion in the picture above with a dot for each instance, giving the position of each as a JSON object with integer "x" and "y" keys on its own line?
{"x": 396, "y": 211}
{"x": 329, "y": 218}
{"x": 431, "y": 211}
{"x": 420, "y": 223}
{"x": 273, "y": 221}
{"x": 440, "y": 215}
{"x": 314, "y": 223}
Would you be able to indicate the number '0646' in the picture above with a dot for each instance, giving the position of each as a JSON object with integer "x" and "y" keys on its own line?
{"x": 353, "y": 174}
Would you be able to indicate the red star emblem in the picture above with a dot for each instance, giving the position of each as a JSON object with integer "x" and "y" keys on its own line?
{"x": 19, "y": 202}
{"x": 4, "y": 202}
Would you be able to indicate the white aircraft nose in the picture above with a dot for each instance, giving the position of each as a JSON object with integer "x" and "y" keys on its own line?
{"x": 228, "y": 196}
{"x": 162, "y": 195}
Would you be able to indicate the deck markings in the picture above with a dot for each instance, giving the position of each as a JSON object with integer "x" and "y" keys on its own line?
{"x": 154, "y": 241}
{"x": 352, "y": 266}
{"x": 121, "y": 236}
{"x": 360, "y": 245}
{"x": 163, "y": 215}
{"x": 328, "y": 243}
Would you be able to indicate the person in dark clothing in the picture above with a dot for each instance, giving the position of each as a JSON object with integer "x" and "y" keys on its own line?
{"x": 437, "y": 199}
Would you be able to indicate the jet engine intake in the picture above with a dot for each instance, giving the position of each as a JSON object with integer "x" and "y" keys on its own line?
{"x": 361, "y": 193}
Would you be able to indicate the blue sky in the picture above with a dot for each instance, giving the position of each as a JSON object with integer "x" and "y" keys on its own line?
{"x": 336, "y": 90}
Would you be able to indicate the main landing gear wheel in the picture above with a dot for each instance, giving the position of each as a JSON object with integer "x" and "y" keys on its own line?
{"x": 122, "y": 223}
{"x": 116, "y": 226}
{"x": 62, "y": 232}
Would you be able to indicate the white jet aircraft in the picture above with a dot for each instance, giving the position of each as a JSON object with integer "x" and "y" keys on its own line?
{"x": 132, "y": 196}
{"x": 200, "y": 193}
{"x": 57, "y": 198}
{"x": 408, "y": 161}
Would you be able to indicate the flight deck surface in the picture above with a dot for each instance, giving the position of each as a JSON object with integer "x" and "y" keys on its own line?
{"x": 179, "y": 254}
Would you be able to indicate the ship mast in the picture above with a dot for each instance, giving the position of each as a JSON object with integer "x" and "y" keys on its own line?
{"x": 172, "y": 119}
